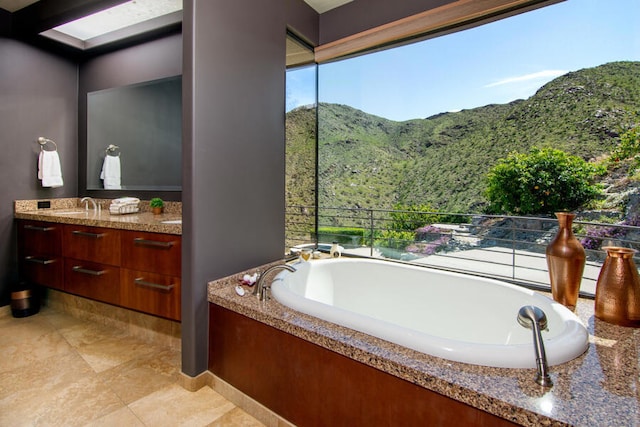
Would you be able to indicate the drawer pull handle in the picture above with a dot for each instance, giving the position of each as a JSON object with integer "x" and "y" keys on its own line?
{"x": 87, "y": 234}
{"x": 154, "y": 243}
{"x": 80, "y": 269}
{"x": 139, "y": 281}
{"x": 39, "y": 260}
{"x": 36, "y": 228}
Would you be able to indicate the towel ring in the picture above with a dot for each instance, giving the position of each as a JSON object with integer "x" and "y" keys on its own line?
{"x": 43, "y": 141}
{"x": 111, "y": 149}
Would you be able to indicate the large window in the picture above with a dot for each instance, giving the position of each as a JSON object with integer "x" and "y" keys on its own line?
{"x": 417, "y": 128}
{"x": 423, "y": 123}
{"x": 301, "y": 144}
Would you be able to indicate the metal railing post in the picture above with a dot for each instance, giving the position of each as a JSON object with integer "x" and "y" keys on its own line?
{"x": 371, "y": 232}
{"x": 513, "y": 248}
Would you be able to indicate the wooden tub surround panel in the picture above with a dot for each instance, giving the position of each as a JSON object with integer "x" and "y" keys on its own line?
{"x": 312, "y": 386}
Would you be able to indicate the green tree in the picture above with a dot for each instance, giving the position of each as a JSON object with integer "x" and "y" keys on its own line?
{"x": 411, "y": 217}
{"x": 543, "y": 181}
{"x": 629, "y": 146}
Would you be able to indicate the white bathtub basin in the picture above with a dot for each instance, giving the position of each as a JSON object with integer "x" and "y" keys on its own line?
{"x": 457, "y": 317}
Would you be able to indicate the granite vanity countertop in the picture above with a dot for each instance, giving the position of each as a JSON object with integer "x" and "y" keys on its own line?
{"x": 599, "y": 388}
{"x": 66, "y": 211}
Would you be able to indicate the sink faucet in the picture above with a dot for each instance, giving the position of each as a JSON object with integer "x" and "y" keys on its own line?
{"x": 532, "y": 317}
{"x": 261, "y": 290}
{"x": 94, "y": 205}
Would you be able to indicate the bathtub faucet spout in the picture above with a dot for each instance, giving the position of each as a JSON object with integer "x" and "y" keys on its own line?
{"x": 260, "y": 290}
{"x": 533, "y": 318}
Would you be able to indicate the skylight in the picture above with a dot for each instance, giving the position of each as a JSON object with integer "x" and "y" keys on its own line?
{"x": 322, "y": 6}
{"x": 118, "y": 18}
{"x": 135, "y": 17}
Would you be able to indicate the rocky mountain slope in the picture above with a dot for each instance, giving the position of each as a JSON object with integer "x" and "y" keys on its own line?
{"x": 368, "y": 161}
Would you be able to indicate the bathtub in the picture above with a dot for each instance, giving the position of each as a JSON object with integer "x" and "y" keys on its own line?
{"x": 453, "y": 316}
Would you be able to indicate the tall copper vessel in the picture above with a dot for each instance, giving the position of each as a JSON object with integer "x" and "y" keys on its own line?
{"x": 618, "y": 288}
{"x": 565, "y": 260}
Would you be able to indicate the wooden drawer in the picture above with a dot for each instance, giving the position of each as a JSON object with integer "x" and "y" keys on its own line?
{"x": 39, "y": 252}
{"x": 150, "y": 293}
{"x": 101, "y": 245}
{"x": 44, "y": 270}
{"x": 92, "y": 280}
{"x": 39, "y": 238}
{"x": 152, "y": 252}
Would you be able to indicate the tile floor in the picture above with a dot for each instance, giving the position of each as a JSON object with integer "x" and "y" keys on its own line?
{"x": 57, "y": 370}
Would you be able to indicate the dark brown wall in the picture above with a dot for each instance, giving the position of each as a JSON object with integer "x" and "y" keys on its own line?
{"x": 233, "y": 147}
{"x": 303, "y": 21}
{"x": 361, "y": 15}
{"x": 38, "y": 97}
{"x": 144, "y": 62}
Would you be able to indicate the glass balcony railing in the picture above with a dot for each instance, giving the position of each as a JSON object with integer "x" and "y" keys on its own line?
{"x": 510, "y": 248}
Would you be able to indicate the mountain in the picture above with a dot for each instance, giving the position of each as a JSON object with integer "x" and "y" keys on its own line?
{"x": 372, "y": 162}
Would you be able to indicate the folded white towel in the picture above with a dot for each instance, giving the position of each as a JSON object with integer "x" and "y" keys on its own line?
{"x": 49, "y": 170}
{"x": 111, "y": 173}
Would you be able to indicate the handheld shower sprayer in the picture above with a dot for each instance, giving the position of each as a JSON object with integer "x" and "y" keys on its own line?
{"x": 532, "y": 317}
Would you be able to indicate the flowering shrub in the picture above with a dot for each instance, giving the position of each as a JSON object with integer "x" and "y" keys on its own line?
{"x": 431, "y": 239}
{"x": 595, "y": 236}
{"x": 429, "y": 248}
{"x": 429, "y": 232}
{"x": 425, "y": 240}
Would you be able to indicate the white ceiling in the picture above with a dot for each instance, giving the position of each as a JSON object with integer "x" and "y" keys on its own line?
{"x": 320, "y": 6}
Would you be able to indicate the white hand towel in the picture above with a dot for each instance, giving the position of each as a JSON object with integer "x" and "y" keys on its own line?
{"x": 111, "y": 173}
{"x": 49, "y": 170}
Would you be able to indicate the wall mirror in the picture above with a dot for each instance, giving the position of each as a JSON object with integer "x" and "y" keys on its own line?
{"x": 134, "y": 137}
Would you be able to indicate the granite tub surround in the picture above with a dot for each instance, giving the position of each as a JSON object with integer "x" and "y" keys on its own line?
{"x": 599, "y": 387}
{"x": 70, "y": 211}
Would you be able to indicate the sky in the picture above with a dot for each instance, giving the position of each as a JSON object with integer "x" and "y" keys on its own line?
{"x": 490, "y": 64}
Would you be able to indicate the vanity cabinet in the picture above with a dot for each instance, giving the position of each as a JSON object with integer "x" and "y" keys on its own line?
{"x": 40, "y": 252}
{"x": 136, "y": 270}
{"x": 91, "y": 243}
{"x": 92, "y": 280}
{"x": 92, "y": 262}
{"x": 150, "y": 273}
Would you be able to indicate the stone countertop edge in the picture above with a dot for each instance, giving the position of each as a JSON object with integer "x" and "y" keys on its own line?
{"x": 597, "y": 388}
{"x": 140, "y": 221}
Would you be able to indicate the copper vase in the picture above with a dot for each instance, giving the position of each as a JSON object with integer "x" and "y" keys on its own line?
{"x": 618, "y": 288}
{"x": 565, "y": 260}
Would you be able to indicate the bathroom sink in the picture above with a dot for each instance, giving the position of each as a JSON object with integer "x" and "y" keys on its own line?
{"x": 172, "y": 221}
